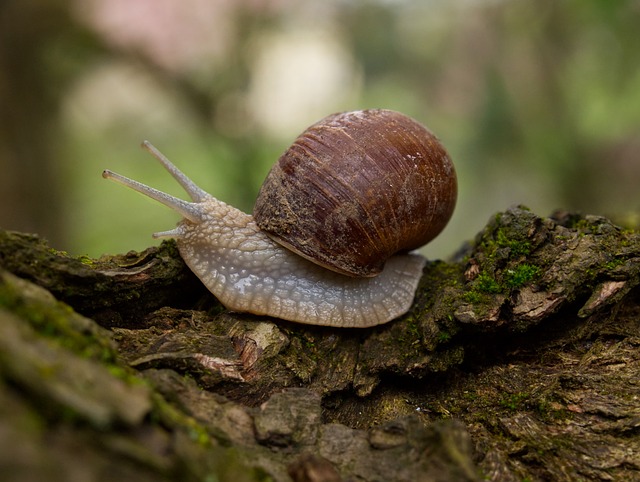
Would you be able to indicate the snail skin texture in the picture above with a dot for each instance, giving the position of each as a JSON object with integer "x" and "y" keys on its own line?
{"x": 250, "y": 272}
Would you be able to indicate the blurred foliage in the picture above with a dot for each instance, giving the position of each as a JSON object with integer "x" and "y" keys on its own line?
{"x": 538, "y": 102}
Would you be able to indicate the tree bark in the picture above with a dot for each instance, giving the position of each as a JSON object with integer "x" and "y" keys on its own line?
{"x": 519, "y": 360}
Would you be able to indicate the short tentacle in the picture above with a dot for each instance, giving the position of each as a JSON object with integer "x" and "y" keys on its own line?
{"x": 171, "y": 233}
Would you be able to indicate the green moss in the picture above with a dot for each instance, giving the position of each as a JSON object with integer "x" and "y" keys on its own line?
{"x": 581, "y": 225}
{"x": 613, "y": 264}
{"x": 470, "y": 396}
{"x": 56, "y": 320}
{"x": 514, "y": 401}
{"x": 413, "y": 328}
{"x": 169, "y": 416}
{"x": 516, "y": 247}
{"x": 473, "y": 297}
{"x": 500, "y": 256}
{"x": 86, "y": 260}
{"x": 520, "y": 275}
{"x": 509, "y": 279}
{"x": 487, "y": 284}
{"x": 55, "y": 252}
{"x": 309, "y": 344}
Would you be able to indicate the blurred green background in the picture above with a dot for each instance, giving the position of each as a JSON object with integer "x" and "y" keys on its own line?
{"x": 538, "y": 102}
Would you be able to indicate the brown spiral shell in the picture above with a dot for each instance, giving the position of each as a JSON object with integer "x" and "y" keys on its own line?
{"x": 356, "y": 188}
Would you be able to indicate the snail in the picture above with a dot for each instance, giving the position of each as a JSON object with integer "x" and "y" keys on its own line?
{"x": 334, "y": 225}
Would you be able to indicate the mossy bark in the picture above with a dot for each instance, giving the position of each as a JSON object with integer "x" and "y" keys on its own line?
{"x": 519, "y": 360}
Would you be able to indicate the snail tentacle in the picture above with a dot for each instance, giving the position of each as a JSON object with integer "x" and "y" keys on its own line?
{"x": 196, "y": 193}
{"x": 186, "y": 209}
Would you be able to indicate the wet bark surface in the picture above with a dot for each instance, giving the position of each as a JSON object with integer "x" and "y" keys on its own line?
{"x": 519, "y": 360}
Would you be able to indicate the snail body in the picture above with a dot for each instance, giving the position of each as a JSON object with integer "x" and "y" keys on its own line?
{"x": 249, "y": 269}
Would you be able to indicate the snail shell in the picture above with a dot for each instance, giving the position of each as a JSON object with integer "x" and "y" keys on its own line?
{"x": 356, "y": 188}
